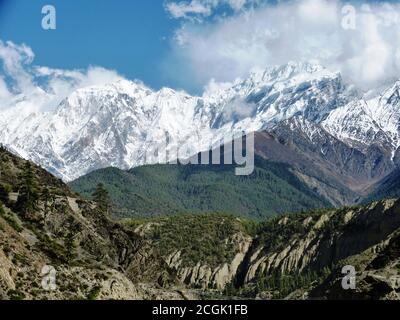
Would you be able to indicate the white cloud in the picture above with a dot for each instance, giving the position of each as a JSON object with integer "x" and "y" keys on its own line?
{"x": 15, "y": 58}
{"x": 317, "y": 11}
{"x": 4, "y": 93}
{"x": 228, "y": 47}
{"x": 198, "y": 9}
{"x": 41, "y": 87}
{"x": 214, "y": 87}
{"x": 239, "y": 109}
{"x": 185, "y": 9}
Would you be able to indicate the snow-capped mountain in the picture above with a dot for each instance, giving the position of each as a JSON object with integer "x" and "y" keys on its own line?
{"x": 117, "y": 124}
{"x": 369, "y": 120}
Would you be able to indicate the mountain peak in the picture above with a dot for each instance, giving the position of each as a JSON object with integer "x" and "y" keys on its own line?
{"x": 290, "y": 70}
{"x": 122, "y": 86}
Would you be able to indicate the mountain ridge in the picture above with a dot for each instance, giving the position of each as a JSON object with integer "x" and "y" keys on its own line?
{"x": 114, "y": 124}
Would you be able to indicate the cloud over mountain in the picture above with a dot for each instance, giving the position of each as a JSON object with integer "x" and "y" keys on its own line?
{"x": 41, "y": 87}
{"x": 229, "y": 45}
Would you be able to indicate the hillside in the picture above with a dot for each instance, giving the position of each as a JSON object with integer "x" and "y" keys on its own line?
{"x": 43, "y": 223}
{"x": 170, "y": 189}
{"x": 298, "y": 256}
{"x": 389, "y": 187}
{"x": 185, "y": 256}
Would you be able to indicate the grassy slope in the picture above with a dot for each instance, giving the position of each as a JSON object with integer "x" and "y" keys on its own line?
{"x": 171, "y": 189}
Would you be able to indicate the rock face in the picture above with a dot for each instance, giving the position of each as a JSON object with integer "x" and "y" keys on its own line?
{"x": 91, "y": 257}
{"x": 353, "y": 231}
{"x": 366, "y": 238}
{"x": 377, "y": 275}
{"x": 338, "y": 172}
{"x": 206, "y": 277}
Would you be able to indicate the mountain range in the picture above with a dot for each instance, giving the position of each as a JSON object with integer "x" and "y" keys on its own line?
{"x": 338, "y": 140}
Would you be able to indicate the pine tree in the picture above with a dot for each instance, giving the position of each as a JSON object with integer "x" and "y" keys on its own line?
{"x": 102, "y": 198}
{"x": 48, "y": 198}
{"x": 5, "y": 189}
{"x": 28, "y": 191}
{"x": 70, "y": 247}
{"x": 2, "y": 156}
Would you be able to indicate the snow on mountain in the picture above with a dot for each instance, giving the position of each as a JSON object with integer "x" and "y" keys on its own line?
{"x": 354, "y": 125}
{"x": 118, "y": 124}
{"x": 369, "y": 120}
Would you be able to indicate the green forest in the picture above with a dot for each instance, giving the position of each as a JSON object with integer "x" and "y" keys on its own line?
{"x": 177, "y": 189}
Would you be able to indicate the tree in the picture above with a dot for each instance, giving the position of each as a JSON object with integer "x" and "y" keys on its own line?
{"x": 102, "y": 198}
{"x": 48, "y": 198}
{"x": 28, "y": 190}
{"x": 2, "y": 155}
{"x": 5, "y": 190}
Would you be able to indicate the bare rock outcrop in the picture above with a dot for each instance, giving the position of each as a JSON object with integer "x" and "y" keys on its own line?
{"x": 203, "y": 276}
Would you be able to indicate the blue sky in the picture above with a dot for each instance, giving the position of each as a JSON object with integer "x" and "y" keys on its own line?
{"x": 188, "y": 43}
{"x": 131, "y": 36}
